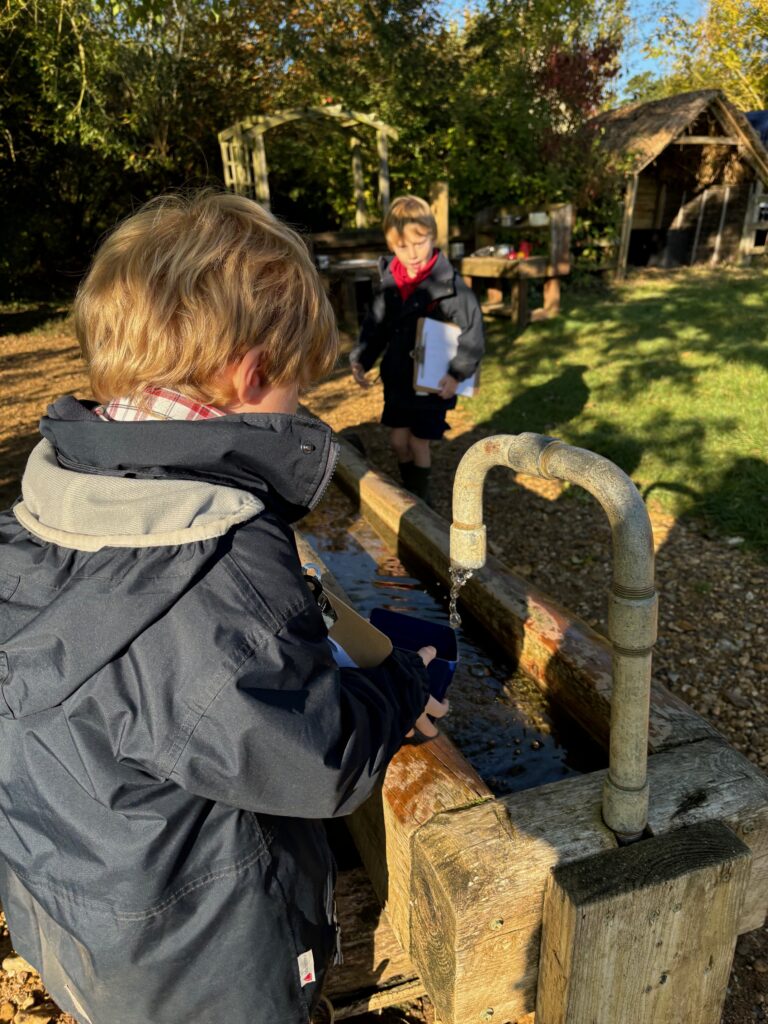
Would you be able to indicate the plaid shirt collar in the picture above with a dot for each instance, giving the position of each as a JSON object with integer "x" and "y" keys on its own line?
{"x": 161, "y": 404}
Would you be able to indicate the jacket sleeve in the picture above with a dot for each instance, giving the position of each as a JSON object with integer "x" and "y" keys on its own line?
{"x": 468, "y": 316}
{"x": 373, "y": 333}
{"x": 292, "y": 734}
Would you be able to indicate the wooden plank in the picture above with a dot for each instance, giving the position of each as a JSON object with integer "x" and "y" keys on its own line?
{"x": 697, "y": 235}
{"x": 260, "y": 174}
{"x": 478, "y": 888}
{"x": 706, "y": 140}
{"x": 626, "y": 225}
{"x": 438, "y": 201}
{"x": 480, "y": 875}
{"x": 422, "y": 781}
{"x": 374, "y": 968}
{"x": 361, "y": 215}
{"x": 716, "y": 783}
{"x": 489, "y": 266}
{"x": 624, "y": 937}
{"x": 381, "y": 147}
{"x": 747, "y": 232}
{"x": 560, "y": 226}
{"x": 721, "y": 224}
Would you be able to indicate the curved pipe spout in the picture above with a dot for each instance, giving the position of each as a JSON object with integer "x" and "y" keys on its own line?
{"x": 632, "y": 609}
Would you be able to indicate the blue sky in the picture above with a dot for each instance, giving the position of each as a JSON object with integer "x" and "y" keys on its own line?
{"x": 644, "y": 14}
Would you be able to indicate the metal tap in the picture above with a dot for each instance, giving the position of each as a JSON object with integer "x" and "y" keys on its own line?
{"x": 633, "y": 604}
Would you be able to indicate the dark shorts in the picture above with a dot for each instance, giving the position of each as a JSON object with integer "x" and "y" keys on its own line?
{"x": 423, "y": 416}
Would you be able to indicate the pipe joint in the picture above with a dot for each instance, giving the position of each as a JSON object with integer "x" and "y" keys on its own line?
{"x": 467, "y": 546}
{"x": 632, "y": 622}
{"x": 625, "y": 811}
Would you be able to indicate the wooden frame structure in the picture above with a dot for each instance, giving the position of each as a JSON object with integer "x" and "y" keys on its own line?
{"x": 244, "y": 154}
{"x": 718, "y": 216}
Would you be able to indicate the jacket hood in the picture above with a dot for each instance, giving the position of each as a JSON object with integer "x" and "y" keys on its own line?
{"x": 286, "y": 461}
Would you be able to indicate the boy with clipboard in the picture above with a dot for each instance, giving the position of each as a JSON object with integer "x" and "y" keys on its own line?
{"x": 418, "y": 286}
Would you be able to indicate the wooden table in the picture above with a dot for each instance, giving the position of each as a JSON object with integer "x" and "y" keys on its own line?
{"x": 488, "y": 272}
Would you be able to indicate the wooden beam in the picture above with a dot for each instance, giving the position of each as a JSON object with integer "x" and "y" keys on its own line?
{"x": 706, "y": 140}
{"x": 438, "y": 201}
{"x": 260, "y": 173}
{"x": 361, "y": 215}
{"x": 697, "y": 234}
{"x": 626, "y": 225}
{"x": 748, "y": 231}
{"x": 624, "y": 936}
{"x": 724, "y": 207}
{"x": 480, "y": 876}
{"x": 381, "y": 146}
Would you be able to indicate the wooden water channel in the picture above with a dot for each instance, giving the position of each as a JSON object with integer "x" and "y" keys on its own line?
{"x": 501, "y": 906}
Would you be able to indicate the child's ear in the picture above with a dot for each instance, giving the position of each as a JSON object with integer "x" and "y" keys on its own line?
{"x": 247, "y": 378}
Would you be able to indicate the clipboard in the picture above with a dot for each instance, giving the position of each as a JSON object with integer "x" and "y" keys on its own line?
{"x": 437, "y": 342}
{"x": 365, "y": 645}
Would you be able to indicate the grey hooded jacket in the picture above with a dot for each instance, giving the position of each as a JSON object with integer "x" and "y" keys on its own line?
{"x": 172, "y": 724}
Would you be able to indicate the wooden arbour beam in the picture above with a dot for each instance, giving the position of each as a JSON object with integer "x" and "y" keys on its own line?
{"x": 244, "y": 156}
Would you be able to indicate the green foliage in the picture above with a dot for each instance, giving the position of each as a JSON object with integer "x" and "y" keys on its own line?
{"x": 726, "y": 48}
{"x": 666, "y": 375}
{"x": 105, "y": 102}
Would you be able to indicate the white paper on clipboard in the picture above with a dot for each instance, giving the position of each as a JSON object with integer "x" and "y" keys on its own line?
{"x": 436, "y": 344}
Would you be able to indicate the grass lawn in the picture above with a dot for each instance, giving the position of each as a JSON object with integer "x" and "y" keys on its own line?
{"x": 665, "y": 374}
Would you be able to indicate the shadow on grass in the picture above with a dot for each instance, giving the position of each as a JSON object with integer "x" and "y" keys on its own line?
{"x": 665, "y": 382}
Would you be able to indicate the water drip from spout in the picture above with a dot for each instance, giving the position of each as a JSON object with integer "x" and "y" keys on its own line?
{"x": 459, "y": 577}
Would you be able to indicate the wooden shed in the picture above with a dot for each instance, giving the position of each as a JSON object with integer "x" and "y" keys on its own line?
{"x": 697, "y": 173}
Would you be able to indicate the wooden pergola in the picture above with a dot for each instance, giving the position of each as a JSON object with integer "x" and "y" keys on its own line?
{"x": 244, "y": 155}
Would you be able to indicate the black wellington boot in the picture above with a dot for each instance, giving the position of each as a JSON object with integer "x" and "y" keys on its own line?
{"x": 406, "y": 474}
{"x": 420, "y": 483}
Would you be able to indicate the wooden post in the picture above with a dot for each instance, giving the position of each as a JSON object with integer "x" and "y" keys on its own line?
{"x": 716, "y": 252}
{"x": 551, "y": 297}
{"x": 361, "y": 216}
{"x": 661, "y": 200}
{"x": 438, "y": 200}
{"x": 645, "y": 933}
{"x": 260, "y": 178}
{"x": 241, "y": 177}
{"x": 748, "y": 232}
{"x": 626, "y": 225}
{"x": 697, "y": 235}
{"x": 381, "y": 146}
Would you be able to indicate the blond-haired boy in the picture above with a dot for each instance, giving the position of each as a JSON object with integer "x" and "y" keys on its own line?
{"x": 172, "y": 722}
{"x": 416, "y": 281}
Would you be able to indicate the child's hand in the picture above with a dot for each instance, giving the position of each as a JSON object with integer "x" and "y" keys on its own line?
{"x": 359, "y": 374}
{"x": 447, "y": 385}
{"x": 435, "y": 708}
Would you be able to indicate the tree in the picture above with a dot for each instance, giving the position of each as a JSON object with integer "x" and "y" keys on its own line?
{"x": 725, "y": 49}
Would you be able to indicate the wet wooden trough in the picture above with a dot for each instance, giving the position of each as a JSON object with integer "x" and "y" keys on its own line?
{"x": 506, "y": 907}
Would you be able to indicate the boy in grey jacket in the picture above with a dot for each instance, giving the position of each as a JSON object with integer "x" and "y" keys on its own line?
{"x": 416, "y": 281}
{"x": 172, "y": 723}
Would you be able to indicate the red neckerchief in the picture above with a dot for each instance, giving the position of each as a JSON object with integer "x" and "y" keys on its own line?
{"x": 408, "y": 285}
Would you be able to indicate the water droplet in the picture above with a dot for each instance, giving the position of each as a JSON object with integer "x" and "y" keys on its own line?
{"x": 459, "y": 577}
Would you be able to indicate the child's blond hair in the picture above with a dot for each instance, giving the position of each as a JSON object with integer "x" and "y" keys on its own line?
{"x": 409, "y": 210}
{"x": 187, "y": 285}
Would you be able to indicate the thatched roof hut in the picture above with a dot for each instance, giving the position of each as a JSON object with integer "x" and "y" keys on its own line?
{"x": 696, "y": 171}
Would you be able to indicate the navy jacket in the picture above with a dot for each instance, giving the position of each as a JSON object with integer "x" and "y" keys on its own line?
{"x": 390, "y": 326}
{"x": 172, "y": 723}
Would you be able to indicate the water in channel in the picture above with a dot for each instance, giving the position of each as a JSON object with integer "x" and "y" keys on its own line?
{"x": 499, "y": 718}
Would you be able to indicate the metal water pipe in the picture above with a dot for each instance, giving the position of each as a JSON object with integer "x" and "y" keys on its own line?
{"x": 632, "y": 610}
